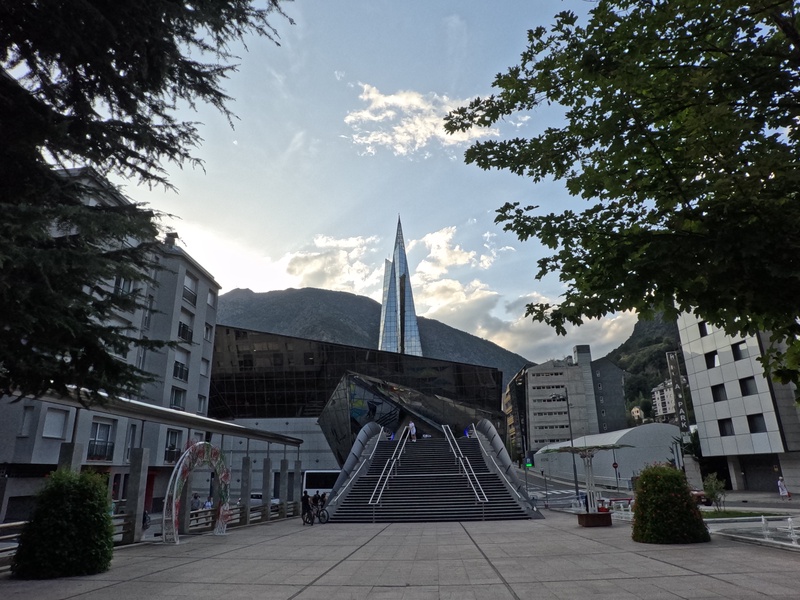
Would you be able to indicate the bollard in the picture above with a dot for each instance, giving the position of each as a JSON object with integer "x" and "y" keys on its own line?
{"x": 765, "y": 527}
{"x": 792, "y": 533}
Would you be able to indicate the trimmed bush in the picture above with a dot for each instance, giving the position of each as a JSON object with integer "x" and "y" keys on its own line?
{"x": 70, "y": 532}
{"x": 665, "y": 512}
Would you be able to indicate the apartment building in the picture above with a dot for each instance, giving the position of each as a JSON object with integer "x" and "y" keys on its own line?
{"x": 181, "y": 306}
{"x": 742, "y": 415}
{"x": 663, "y": 400}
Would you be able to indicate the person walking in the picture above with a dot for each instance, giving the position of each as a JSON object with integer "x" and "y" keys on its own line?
{"x": 782, "y": 490}
{"x": 412, "y": 430}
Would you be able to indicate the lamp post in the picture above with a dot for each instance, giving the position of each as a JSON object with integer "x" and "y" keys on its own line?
{"x": 572, "y": 445}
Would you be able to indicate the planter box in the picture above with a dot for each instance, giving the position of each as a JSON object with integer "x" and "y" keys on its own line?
{"x": 600, "y": 519}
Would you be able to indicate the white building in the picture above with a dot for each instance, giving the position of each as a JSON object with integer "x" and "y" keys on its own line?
{"x": 663, "y": 400}
{"x": 741, "y": 415}
{"x": 182, "y": 308}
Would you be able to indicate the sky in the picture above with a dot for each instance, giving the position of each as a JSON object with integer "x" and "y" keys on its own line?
{"x": 339, "y": 132}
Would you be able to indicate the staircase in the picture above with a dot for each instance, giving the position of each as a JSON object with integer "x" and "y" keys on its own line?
{"x": 428, "y": 486}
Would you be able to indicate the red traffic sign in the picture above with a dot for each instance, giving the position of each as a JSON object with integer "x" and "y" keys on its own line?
{"x": 615, "y": 465}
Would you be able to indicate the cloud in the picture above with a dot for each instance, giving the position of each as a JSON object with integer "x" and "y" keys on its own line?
{"x": 405, "y": 122}
{"x": 338, "y": 264}
{"x": 444, "y": 283}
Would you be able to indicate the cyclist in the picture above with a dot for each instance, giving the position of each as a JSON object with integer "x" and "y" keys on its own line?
{"x": 305, "y": 501}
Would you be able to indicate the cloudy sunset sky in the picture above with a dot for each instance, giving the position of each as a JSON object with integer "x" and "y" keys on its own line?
{"x": 340, "y": 130}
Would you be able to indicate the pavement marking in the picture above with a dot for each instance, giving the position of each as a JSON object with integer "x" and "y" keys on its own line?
{"x": 491, "y": 564}
{"x": 308, "y": 585}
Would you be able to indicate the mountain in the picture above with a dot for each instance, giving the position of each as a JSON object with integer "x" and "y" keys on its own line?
{"x": 644, "y": 355}
{"x": 343, "y": 318}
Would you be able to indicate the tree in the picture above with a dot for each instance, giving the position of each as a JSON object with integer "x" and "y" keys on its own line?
{"x": 680, "y": 132}
{"x": 94, "y": 84}
{"x": 70, "y": 532}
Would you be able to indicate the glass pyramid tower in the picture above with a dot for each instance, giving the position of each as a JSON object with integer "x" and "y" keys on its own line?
{"x": 399, "y": 330}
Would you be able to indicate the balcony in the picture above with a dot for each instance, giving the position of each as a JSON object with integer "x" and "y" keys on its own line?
{"x": 190, "y": 296}
{"x": 102, "y": 451}
{"x": 185, "y": 332}
{"x": 171, "y": 455}
{"x": 180, "y": 371}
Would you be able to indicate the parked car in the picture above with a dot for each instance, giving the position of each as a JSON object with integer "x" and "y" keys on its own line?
{"x": 700, "y": 498}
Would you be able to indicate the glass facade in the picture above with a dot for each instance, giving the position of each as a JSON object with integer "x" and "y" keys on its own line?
{"x": 359, "y": 399}
{"x": 264, "y": 375}
{"x": 399, "y": 330}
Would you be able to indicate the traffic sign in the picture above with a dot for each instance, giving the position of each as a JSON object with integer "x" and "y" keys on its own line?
{"x": 615, "y": 465}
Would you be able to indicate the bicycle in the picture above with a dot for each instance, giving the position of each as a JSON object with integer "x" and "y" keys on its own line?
{"x": 318, "y": 514}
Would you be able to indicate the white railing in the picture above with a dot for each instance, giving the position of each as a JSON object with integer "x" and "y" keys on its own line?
{"x": 480, "y": 495}
{"x": 354, "y": 476}
{"x": 389, "y": 468}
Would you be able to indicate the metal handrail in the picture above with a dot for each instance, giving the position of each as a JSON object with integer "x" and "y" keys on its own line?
{"x": 466, "y": 465}
{"x": 499, "y": 470}
{"x": 390, "y": 464}
{"x": 354, "y": 476}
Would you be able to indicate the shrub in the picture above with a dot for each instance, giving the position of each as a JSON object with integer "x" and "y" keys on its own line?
{"x": 665, "y": 512}
{"x": 714, "y": 489}
{"x": 70, "y": 532}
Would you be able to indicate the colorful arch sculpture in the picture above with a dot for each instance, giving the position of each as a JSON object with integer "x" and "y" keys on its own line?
{"x": 199, "y": 453}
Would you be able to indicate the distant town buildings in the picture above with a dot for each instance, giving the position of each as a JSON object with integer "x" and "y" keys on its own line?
{"x": 663, "y": 400}
{"x": 399, "y": 330}
{"x": 560, "y": 399}
{"x": 742, "y": 416}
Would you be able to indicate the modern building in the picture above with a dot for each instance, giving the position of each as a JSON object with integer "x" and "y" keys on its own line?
{"x": 562, "y": 399}
{"x": 399, "y": 330}
{"x": 180, "y": 307}
{"x": 300, "y": 387}
{"x": 742, "y": 415}
{"x": 663, "y": 400}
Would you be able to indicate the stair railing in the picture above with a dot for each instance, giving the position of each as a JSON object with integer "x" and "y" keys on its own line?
{"x": 354, "y": 476}
{"x": 510, "y": 485}
{"x": 466, "y": 466}
{"x": 389, "y": 469}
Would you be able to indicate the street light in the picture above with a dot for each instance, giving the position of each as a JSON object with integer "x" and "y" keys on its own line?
{"x": 571, "y": 442}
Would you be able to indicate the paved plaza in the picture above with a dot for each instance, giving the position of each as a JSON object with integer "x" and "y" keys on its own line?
{"x": 552, "y": 558}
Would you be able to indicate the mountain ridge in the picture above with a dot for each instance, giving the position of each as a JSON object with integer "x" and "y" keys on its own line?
{"x": 353, "y": 320}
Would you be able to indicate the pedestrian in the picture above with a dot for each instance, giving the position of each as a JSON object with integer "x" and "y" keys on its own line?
{"x": 782, "y": 490}
{"x": 209, "y": 503}
{"x": 195, "y": 503}
{"x": 323, "y": 499}
{"x": 315, "y": 500}
{"x": 412, "y": 429}
{"x": 305, "y": 502}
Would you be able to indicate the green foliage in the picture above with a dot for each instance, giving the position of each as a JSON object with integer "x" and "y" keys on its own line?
{"x": 70, "y": 533}
{"x": 679, "y": 131}
{"x": 94, "y": 84}
{"x": 714, "y": 490}
{"x": 665, "y": 512}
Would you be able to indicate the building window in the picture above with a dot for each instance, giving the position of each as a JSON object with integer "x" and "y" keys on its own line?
{"x": 185, "y": 323}
{"x": 602, "y": 400}
{"x": 131, "y": 443}
{"x": 202, "y": 404}
{"x": 756, "y": 423}
{"x": 725, "y": 427}
{"x": 148, "y": 312}
{"x": 101, "y": 446}
{"x": 55, "y": 423}
{"x": 172, "y": 452}
{"x": 277, "y": 359}
{"x": 208, "y": 333}
{"x": 180, "y": 369}
{"x": 141, "y": 355}
{"x": 748, "y": 386}
{"x": 122, "y": 285}
{"x": 702, "y": 327}
{"x": 599, "y": 386}
{"x": 212, "y": 298}
{"x": 205, "y": 367}
{"x": 190, "y": 289}
{"x": 27, "y": 421}
{"x": 739, "y": 350}
{"x": 712, "y": 359}
{"x": 718, "y": 393}
{"x": 177, "y": 399}
{"x": 605, "y": 427}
